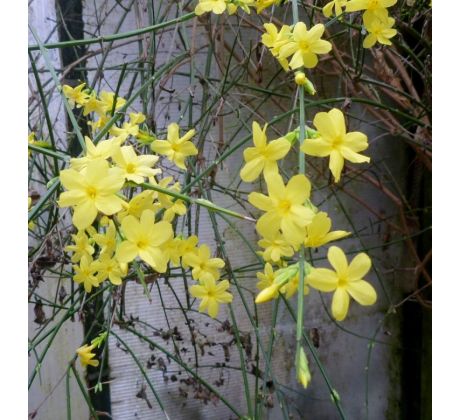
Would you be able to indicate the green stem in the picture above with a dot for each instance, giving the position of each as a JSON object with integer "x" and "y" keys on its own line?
{"x": 115, "y": 37}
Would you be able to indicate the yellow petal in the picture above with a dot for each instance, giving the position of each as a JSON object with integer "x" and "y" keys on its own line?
{"x": 260, "y": 201}
{"x": 336, "y": 163}
{"x": 277, "y": 149}
{"x": 362, "y": 292}
{"x": 84, "y": 214}
{"x": 323, "y": 279}
{"x": 340, "y": 304}
{"x": 252, "y": 169}
{"x": 359, "y": 267}
{"x": 298, "y": 189}
{"x": 338, "y": 260}
{"x": 316, "y": 147}
{"x": 126, "y": 252}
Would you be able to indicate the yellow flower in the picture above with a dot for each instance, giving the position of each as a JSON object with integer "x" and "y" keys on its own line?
{"x": 346, "y": 280}
{"x": 81, "y": 248}
{"x": 266, "y": 278}
{"x": 173, "y": 250}
{"x": 379, "y": 28}
{"x": 167, "y": 202}
{"x": 304, "y": 46}
{"x": 130, "y": 128}
{"x": 139, "y": 203}
{"x": 103, "y": 150}
{"x": 290, "y": 288}
{"x": 263, "y": 156}
{"x": 318, "y": 231}
{"x": 109, "y": 268}
{"x": 215, "y": 6}
{"x": 107, "y": 241}
{"x": 211, "y": 294}
{"x": 75, "y": 96}
{"x": 274, "y": 40}
{"x": 336, "y": 5}
{"x": 144, "y": 238}
{"x": 176, "y": 148}
{"x": 85, "y": 273}
{"x": 263, "y": 4}
{"x": 93, "y": 104}
{"x": 188, "y": 246}
{"x": 302, "y": 369}
{"x": 135, "y": 168}
{"x": 335, "y": 142}
{"x": 91, "y": 191}
{"x": 203, "y": 266}
{"x": 108, "y": 98}
{"x": 275, "y": 245}
{"x": 284, "y": 207}
{"x": 356, "y": 5}
{"x": 86, "y": 357}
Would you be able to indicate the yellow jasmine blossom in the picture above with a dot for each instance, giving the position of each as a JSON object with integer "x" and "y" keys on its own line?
{"x": 336, "y": 5}
{"x": 173, "y": 250}
{"x": 318, "y": 231}
{"x": 136, "y": 117}
{"x": 267, "y": 294}
{"x": 86, "y": 357}
{"x": 379, "y": 28}
{"x": 109, "y": 268}
{"x": 82, "y": 247}
{"x": 103, "y": 150}
{"x": 275, "y": 245}
{"x": 284, "y": 207}
{"x": 263, "y": 156}
{"x": 263, "y": 4}
{"x": 188, "y": 246}
{"x": 85, "y": 273}
{"x": 91, "y": 191}
{"x": 335, "y": 142}
{"x": 127, "y": 129}
{"x": 75, "y": 96}
{"x": 107, "y": 241}
{"x": 144, "y": 238}
{"x": 176, "y": 148}
{"x": 167, "y": 202}
{"x": 290, "y": 288}
{"x": 108, "y": 98}
{"x": 305, "y": 45}
{"x": 266, "y": 278}
{"x": 93, "y": 104}
{"x": 232, "y": 6}
{"x": 135, "y": 168}
{"x": 303, "y": 371}
{"x": 215, "y": 6}
{"x": 203, "y": 266}
{"x": 99, "y": 123}
{"x": 274, "y": 40}
{"x": 211, "y": 295}
{"x": 346, "y": 280}
{"x": 356, "y": 5}
{"x": 139, "y": 203}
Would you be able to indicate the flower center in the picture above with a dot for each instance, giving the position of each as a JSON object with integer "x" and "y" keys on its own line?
{"x": 130, "y": 168}
{"x": 336, "y": 142}
{"x": 304, "y": 45}
{"x": 141, "y": 244}
{"x": 373, "y": 4}
{"x": 92, "y": 192}
{"x": 175, "y": 147}
{"x": 342, "y": 282}
{"x": 284, "y": 206}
